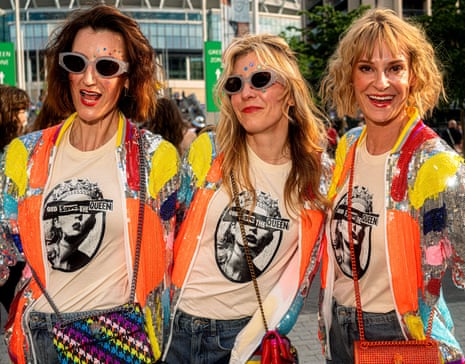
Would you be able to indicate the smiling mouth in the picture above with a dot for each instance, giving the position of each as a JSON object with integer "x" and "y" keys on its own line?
{"x": 381, "y": 98}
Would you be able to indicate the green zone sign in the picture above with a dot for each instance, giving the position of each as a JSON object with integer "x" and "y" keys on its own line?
{"x": 212, "y": 54}
{"x": 7, "y": 64}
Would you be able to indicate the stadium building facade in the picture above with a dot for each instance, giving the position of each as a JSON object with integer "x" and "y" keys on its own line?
{"x": 177, "y": 30}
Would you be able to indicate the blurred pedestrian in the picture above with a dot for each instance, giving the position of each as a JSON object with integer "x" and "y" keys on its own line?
{"x": 169, "y": 123}
{"x": 453, "y": 136}
{"x": 14, "y": 106}
{"x": 14, "y": 110}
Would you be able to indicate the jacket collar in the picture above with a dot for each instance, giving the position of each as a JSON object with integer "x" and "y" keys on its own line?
{"x": 69, "y": 121}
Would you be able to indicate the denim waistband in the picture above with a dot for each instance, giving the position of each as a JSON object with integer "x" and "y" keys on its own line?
{"x": 349, "y": 314}
{"x": 207, "y": 325}
{"x": 48, "y": 320}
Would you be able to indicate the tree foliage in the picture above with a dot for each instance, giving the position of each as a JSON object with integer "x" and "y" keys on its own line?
{"x": 319, "y": 39}
{"x": 446, "y": 30}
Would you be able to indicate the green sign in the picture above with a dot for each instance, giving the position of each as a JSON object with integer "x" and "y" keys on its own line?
{"x": 7, "y": 64}
{"x": 212, "y": 71}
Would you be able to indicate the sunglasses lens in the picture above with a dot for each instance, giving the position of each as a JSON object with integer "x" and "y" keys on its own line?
{"x": 74, "y": 63}
{"x": 107, "y": 67}
{"x": 261, "y": 79}
{"x": 233, "y": 84}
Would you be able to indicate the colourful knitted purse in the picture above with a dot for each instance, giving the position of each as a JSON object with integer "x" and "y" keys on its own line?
{"x": 112, "y": 336}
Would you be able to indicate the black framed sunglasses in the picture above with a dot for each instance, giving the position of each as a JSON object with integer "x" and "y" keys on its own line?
{"x": 106, "y": 67}
{"x": 259, "y": 80}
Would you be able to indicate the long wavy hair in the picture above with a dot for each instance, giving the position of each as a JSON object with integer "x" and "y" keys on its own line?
{"x": 374, "y": 28}
{"x": 12, "y": 100}
{"x": 138, "y": 102}
{"x": 306, "y": 134}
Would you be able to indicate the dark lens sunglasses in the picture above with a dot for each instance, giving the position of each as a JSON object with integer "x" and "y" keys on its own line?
{"x": 259, "y": 80}
{"x": 106, "y": 67}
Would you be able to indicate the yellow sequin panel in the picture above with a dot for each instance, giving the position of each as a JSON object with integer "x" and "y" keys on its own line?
{"x": 433, "y": 176}
{"x": 151, "y": 334}
{"x": 163, "y": 167}
{"x": 341, "y": 154}
{"x": 200, "y": 155}
{"x": 15, "y": 165}
{"x": 415, "y": 326}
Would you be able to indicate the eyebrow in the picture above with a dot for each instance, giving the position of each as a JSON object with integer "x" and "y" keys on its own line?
{"x": 397, "y": 60}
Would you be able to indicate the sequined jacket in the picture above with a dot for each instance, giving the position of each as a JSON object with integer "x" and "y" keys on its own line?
{"x": 425, "y": 230}
{"x": 28, "y": 161}
{"x": 201, "y": 180}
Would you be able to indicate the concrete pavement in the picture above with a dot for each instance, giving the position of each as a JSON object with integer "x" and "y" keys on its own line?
{"x": 304, "y": 333}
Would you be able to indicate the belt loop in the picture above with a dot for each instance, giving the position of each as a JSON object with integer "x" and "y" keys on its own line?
{"x": 50, "y": 322}
{"x": 177, "y": 317}
{"x": 213, "y": 327}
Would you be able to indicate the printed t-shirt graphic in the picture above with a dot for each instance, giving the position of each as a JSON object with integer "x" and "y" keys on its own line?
{"x": 264, "y": 228}
{"x": 74, "y": 223}
{"x": 363, "y": 222}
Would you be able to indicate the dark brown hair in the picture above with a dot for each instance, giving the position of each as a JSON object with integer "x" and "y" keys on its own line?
{"x": 12, "y": 99}
{"x": 137, "y": 102}
{"x": 168, "y": 122}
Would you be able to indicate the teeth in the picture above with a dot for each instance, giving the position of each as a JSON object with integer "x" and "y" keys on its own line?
{"x": 381, "y": 98}
{"x": 84, "y": 93}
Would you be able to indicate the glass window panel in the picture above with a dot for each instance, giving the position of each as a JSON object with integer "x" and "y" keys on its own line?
{"x": 177, "y": 67}
{"x": 196, "y": 68}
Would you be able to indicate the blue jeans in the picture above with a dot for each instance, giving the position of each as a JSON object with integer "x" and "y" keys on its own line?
{"x": 344, "y": 330}
{"x": 41, "y": 326}
{"x": 198, "y": 340}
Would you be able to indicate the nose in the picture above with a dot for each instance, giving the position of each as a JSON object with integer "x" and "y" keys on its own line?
{"x": 247, "y": 90}
{"x": 89, "y": 74}
{"x": 381, "y": 81}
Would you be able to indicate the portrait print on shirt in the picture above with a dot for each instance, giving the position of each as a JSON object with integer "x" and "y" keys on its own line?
{"x": 264, "y": 228}
{"x": 363, "y": 222}
{"x": 74, "y": 223}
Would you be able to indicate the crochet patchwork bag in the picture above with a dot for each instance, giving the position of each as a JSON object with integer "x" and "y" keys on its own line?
{"x": 112, "y": 336}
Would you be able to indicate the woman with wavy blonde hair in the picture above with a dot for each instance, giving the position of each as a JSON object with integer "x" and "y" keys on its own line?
{"x": 388, "y": 219}
{"x": 305, "y": 137}
{"x": 264, "y": 163}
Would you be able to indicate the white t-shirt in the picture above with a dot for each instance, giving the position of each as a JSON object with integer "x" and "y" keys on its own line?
{"x": 83, "y": 228}
{"x": 219, "y": 285}
{"x": 368, "y": 235}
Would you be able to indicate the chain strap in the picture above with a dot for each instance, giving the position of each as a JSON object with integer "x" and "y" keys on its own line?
{"x": 247, "y": 249}
{"x": 353, "y": 261}
{"x": 140, "y": 223}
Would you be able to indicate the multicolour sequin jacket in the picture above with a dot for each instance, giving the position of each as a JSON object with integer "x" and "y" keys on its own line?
{"x": 201, "y": 179}
{"x": 425, "y": 230}
{"x": 28, "y": 161}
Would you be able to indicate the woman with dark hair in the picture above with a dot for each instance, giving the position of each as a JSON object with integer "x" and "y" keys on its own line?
{"x": 81, "y": 178}
{"x": 169, "y": 123}
{"x": 14, "y": 106}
